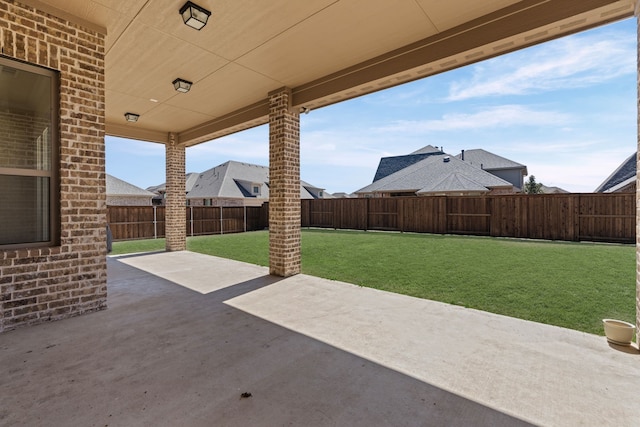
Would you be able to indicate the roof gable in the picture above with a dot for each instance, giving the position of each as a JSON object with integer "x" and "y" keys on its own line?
{"x": 118, "y": 187}
{"x": 227, "y": 179}
{"x": 391, "y": 165}
{"x": 624, "y": 174}
{"x": 236, "y": 180}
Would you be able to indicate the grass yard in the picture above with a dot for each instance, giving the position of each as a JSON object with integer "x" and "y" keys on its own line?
{"x": 574, "y": 285}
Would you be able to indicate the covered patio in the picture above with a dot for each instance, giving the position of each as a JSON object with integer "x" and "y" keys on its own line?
{"x": 187, "y": 334}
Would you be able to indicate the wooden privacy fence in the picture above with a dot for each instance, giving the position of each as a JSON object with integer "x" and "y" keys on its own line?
{"x": 572, "y": 217}
{"x": 148, "y": 222}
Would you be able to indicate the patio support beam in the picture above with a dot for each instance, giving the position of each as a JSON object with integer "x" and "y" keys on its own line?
{"x": 175, "y": 202}
{"x": 284, "y": 185}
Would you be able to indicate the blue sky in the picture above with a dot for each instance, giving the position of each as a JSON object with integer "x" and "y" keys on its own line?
{"x": 566, "y": 109}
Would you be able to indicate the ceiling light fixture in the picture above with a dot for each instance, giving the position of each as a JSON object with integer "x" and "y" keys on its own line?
{"x": 194, "y": 15}
{"x": 131, "y": 117}
{"x": 182, "y": 85}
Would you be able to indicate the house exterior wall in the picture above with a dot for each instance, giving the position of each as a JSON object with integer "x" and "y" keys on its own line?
{"x": 500, "y": 190}
{"x": 40, "y": 284}
{"x": 631, "y": 188}
{"x": 514, "y": 176}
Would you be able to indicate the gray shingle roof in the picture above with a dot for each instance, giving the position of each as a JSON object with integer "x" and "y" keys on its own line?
{"x": 427, "y": 149}
{"x": 489, "y": 161}
{"x": 624, "y": 175}
{"x": 552, "y": 190}
{"x": 453, "y": 182}
{"x": 390, "y": 165}
{"x": 190, "y": 180}
{"x": 432, "y": 171}
{"x": 228, "y": 179}
{"x": 118, "y": 187}
{"x": 235, "y": 180}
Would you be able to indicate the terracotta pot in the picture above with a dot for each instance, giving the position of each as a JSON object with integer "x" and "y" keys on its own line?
{"x": 618, "y": 332}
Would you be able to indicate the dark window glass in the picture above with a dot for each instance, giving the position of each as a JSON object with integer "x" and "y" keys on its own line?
{"x": 28, "y": 144}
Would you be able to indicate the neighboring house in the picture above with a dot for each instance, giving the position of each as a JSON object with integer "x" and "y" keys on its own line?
{"x": 341, "y": 195}
{"x": 430, "y": 171}
{"x": 623, "y": 179}
{"x": 121, "y": 193}
{"x": 161, "y": 190}
{"x": 552, "y": 190}
{"x": 499, "y": 166}
{"x": 240, "y": 184}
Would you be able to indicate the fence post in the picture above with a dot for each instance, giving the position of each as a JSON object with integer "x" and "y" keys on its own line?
{"x": 155, "y": 223}
{"x": 221, "y": 220}
{"x": 245, "y": 218}
{"x": 191, "y": 219}
{"x": 367, "y": 209}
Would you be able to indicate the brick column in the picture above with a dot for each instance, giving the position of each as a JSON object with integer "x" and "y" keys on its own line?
{"x": 175, "y": 201}
{"x": 284, "y": 185}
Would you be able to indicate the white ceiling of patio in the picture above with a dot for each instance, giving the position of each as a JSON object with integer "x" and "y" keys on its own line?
{"x": 325, "y": 50}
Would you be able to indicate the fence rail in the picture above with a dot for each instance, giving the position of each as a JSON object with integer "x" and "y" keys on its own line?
{"x": 571, "y": 217}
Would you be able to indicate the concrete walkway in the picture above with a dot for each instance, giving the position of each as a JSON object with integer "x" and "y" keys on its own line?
{"x": 187, "y": 334}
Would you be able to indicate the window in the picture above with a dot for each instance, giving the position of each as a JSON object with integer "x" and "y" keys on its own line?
{"x": 320, "y": 193}
{"x": 256, "y": 189}
{"x": 28, "y": 155}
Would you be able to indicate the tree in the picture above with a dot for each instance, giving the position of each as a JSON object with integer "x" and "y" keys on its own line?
{"x": 532, "y": 187}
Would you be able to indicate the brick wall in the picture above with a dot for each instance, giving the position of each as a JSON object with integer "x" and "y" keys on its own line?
{"x": 284, "y": 185}
{"x": 40, "y": 284}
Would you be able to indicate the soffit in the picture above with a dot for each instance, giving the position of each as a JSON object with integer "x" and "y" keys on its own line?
{"x": 325, "y": 50}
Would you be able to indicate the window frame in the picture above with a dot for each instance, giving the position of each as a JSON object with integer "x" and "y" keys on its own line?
{"x": 53, "y": 173}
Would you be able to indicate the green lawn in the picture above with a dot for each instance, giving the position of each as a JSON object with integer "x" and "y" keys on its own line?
{"x": 574, "y": 285}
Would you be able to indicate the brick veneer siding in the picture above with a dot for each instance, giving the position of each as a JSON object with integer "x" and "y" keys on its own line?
{"x": 284, "y": 185}
{"x": 176, "y": 199}
{"x": 40, "y": 284}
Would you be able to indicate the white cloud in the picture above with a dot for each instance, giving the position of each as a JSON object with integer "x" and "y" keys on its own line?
{"x": 251, "y": 146}
{"x": 491, "y": 117}
{"x": 576, "y": 61}
{"x": 342, "y": 148}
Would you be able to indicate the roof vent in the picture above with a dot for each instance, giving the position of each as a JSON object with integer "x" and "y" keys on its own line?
{"x": 446, "y": 159}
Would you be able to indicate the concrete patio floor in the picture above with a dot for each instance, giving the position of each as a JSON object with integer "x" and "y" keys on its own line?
{"x": 186, "y": 334}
